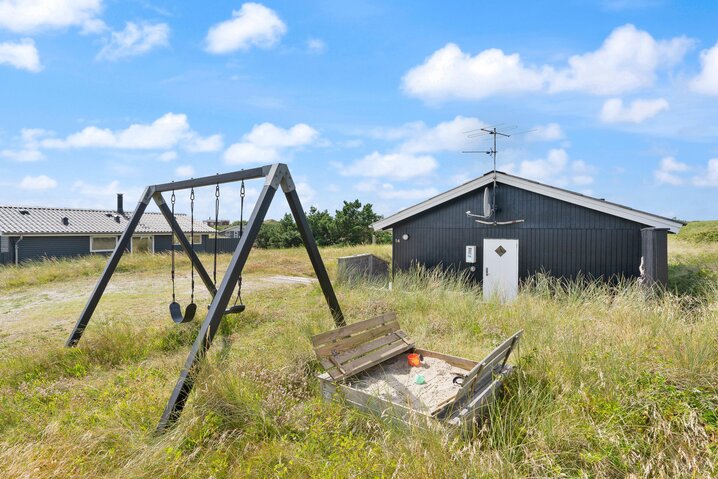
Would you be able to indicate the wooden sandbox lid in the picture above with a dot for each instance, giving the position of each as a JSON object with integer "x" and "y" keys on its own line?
{"x": 351, "y": 349}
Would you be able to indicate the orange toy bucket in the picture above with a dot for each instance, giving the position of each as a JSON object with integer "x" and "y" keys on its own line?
{"x": 414, "y": 360}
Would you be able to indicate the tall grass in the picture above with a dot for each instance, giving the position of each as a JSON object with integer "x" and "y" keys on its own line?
{"x": 611, "y": 382}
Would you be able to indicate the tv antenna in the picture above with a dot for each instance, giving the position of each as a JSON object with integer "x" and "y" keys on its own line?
{"x": 489, "y": 205}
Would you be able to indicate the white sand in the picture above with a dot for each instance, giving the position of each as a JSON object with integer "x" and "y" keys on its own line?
{"x": 394, "y": 380}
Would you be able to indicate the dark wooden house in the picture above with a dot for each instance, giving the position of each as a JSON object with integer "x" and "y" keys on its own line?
{"x": 32, "y": 233}
{"x": 563, "y": 233}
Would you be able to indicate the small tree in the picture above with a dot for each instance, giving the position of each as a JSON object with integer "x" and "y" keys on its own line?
{"x": 322, "y": 225}
{"x": 353, "y": 223}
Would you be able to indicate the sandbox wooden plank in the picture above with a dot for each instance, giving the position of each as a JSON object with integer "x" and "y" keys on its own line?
{"x": 345, "y": 344}
{"x": 462, "y": 363}
{"x": 369, "y": 346}
{"x": 334, "y": 334}
{"x": 382, "y": 354}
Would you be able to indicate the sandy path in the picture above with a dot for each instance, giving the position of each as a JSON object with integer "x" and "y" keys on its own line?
{"x": 54, "y": 308}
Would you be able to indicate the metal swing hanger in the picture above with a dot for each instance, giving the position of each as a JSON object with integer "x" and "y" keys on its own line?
{"x": 236, "y": 308}
{"x": 175, "y": 308}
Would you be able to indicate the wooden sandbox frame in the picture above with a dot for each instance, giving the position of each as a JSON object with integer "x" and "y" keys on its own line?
{"x": 347, "y": 351}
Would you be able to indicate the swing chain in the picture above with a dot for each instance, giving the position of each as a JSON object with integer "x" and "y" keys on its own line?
{"x": 241, "y": 210}
{"x": 172, "y": 200}
{"x": 191, "y": 209}
{"x": 216, "y": 231}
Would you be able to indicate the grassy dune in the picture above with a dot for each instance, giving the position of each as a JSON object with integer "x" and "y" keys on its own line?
{"x": 612, "y": 381}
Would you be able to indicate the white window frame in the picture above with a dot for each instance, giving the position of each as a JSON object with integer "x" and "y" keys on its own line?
{"x": 152, "y": 237}
{"x": 116, "y": 238}
{"x": 197, "y": 236}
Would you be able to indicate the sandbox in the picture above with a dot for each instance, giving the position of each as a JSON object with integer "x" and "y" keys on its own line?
{"x": 366, "y": 366}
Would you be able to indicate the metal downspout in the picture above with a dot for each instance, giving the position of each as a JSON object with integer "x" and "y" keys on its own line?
{"x": 17, "y": 250}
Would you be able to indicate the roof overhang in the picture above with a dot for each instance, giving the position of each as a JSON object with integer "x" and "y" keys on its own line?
{"x": 560, "y": 194}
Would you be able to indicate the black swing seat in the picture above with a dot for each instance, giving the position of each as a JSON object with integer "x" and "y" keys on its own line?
{"x": 236, "y": 309}
{"x": 176, "y": 312}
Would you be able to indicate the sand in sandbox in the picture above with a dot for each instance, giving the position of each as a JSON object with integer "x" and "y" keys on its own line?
{"x": 394, "y": 380}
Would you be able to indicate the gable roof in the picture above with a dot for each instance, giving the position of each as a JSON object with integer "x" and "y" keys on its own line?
{"x": 551, "y": 191}
{"x": 33, "y": 220}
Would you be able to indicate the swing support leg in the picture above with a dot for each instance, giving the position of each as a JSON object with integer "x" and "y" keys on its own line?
{"x": 121, "y": 247}
{"x": 219, "y": 304}
{"x": 312, "y": 250}
{"x": 186, "y": 245}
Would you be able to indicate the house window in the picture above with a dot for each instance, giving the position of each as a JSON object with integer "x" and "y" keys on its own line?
{"x": 4, "y": 244}
{"x": 196, "y": 239}
{"x": 102, "y": 244}
{"x": 143, "y": 244}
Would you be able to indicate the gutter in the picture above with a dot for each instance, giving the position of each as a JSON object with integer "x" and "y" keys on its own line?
{"x": 17, "y": 249}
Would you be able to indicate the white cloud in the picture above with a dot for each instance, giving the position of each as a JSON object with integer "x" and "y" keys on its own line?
{"x": 95, "y": 191}
{"x": 450, "y": 73}
{"x": 198, "y": 144}
{"x": 184, "y": 171}
{"x": 556, "y": 169}
{"x": 399, "y": 166}
{"x": 388, "y": 192}
{"x": 240, "y": 153}
{"x": 666, "y": 173}
{"x": 707, "y": 81}
{"x": 168, "y": 131}
{"x": 265, "y": 143}
{"x": 306, "y": 192}
{"x": 134, "y": 40}
{"x": 37, "y": 183}
{"x": 628, "y": 59}
{"x": 445, "y": 136}
{"x": 24, "y": 16}
{"x": 22, "y": 55}
{"x": 167, "y": 156}
{"x": 316, "y": 46}
{"x": 271, "y": 136}
{"x": 548, "y": 132}
{"x": 638, "y": 111}
{"x": 252, "y": 25}
{"x": 709, "y": 176}
{"x": 26, "y": 155}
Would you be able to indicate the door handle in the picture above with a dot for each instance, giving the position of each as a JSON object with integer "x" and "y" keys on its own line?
{"x": 487, "y": 272}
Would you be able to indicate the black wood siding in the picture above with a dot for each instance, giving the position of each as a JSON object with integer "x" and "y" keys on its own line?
{"x": 39, "y": 247}
{"x": 557, "y": 237}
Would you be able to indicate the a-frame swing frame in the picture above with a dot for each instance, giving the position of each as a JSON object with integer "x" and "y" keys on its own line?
{"x": 276, "y": 176}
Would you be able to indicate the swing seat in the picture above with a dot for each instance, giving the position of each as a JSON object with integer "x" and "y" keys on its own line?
{"x": 236, "y": 309}
{"x": 176, "y": 312}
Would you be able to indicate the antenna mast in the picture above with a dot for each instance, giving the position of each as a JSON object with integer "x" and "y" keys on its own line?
{"x": 493, "y": 131}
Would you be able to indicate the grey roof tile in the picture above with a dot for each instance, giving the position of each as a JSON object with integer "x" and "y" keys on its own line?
{"x": 41, "y": 220}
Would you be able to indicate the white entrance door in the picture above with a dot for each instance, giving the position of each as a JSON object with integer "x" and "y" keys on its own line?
{"x": 501, "y": 269}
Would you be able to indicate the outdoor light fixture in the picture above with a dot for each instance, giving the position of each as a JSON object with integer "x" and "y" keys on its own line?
{"x": 405, "y": 236}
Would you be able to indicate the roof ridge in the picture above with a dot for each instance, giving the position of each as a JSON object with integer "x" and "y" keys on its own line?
{"x": 94, "y": 210}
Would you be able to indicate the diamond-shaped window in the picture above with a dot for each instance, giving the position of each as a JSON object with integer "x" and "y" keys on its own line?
{"x": 500, "y": 251}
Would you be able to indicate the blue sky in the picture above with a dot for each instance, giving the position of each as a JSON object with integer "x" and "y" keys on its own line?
{"x": 367, "y": 100}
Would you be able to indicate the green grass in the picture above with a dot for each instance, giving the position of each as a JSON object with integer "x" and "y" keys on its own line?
{"x": 700, "y": 232}
{"x": 612, "y": 382}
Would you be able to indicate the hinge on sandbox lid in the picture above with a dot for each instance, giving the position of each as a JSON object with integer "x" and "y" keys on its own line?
{"x": 400, "y": 334}
{"x": 333, "y": 359}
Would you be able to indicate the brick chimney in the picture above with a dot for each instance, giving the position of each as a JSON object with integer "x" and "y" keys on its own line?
{"x": 120, "y": 208}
